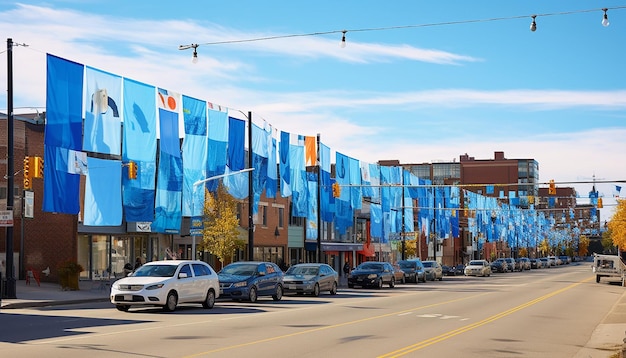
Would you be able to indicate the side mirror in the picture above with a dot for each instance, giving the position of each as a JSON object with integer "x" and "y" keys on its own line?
{"x": 182, "y": 275}
{"x": 261, "y": 273}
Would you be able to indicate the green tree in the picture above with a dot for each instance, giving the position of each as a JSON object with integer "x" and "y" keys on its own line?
{"x": 617, "y": 225}
{"x": 220, "y": 235}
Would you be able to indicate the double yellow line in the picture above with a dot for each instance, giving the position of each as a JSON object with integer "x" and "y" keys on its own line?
{"x": 450, "y": 334}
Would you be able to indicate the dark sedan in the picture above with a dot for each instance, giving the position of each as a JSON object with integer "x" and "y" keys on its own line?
{"x": 498, "y": 266}
{"x": 372, "y": 274}
{"x": 247, "y": 280}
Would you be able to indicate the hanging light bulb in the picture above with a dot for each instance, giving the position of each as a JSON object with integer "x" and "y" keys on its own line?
{"x": 533, "y": 25}
{"x": 343, "y": 39}
{"x": 605, "y": 18}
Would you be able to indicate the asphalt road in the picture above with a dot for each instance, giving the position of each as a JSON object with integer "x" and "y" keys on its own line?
{"x": 541, "y": 313}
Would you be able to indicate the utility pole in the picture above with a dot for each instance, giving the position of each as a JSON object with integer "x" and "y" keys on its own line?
{"x": 10, "y": 271}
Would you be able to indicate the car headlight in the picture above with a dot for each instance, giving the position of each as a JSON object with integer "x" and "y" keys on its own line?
{"x": 372, "y": 276}
{"x": 156, "y": 286}
{"x": 240, "y": 284}
{"x": 115, "y": 286}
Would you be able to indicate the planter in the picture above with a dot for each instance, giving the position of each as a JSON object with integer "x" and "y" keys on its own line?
{"x": 69, "y": 281}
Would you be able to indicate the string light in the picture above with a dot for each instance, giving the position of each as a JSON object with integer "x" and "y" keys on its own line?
{"x": 533, "y": 27}
{"x": 605, "y": 18}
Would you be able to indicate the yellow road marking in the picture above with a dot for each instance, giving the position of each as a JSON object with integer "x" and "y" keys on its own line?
{"x": 414, "y": 347}
{"x": 329, "y": 327}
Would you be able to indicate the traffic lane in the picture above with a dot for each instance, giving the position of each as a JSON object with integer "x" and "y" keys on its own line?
{"x": 368, "y": 335}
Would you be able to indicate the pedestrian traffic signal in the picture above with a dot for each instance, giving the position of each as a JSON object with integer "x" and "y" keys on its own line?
{"x": 132, "y": 170}
{"x": 37, "y": 167}
{"x": 552, "y": 188}
{"x": 336, "y": 190}
{"x": 27, "y": 174}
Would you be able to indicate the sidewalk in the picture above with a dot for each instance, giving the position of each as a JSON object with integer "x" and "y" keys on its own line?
{"x": 50, "y": 294}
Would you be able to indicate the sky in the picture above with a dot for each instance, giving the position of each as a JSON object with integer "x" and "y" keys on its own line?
{"x": 418, "y": 81}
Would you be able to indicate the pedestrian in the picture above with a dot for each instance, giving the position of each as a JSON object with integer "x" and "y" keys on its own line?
{"x": 138, "y": 263}
{"x": 346, "y": 268}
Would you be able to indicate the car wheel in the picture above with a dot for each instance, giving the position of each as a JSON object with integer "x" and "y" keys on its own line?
{"x": 333, "y": 290}
{"x": 392, "y": 284}
{"x": 170, "y": 302}
{"x": 252, "y": 295}
{"x": 597, "y": 278}
{"x": 123, "y": 308}
{"x": 316, "y": 290}
{"x": 279, "y": 293}
{"x": 209, "y": 301}
{"x": 379, "y": 284}
{"x": 441, "y": 278}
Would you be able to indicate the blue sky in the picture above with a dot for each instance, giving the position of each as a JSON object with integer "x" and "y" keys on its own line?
{"x": 408, "y": 91}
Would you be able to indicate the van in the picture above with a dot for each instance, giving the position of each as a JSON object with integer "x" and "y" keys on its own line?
{"x": 413, "y": 270}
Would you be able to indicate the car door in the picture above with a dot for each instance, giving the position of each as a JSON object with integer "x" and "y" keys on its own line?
{"x": 388, "y": 273}
{"x": 326, "y": 278}
{"x": 185, "y": 284}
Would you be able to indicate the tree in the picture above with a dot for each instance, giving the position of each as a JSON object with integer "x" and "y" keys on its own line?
{"x": 220, "y": 235}
{"x": 523, "y": 252}
{"x": 410, "y": 248}
{"x": 607, "y": 242}
{"x": 617, "y": 225}
{"x": 544, "y": 247}
{"x": 583, "y": 245}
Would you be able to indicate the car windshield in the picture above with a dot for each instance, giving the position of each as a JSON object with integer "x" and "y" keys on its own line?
{"x": 476, "y": 263}
{"x": 428, "y": 264}
{"x": 156, "y": 271}
{"x": 239, "y": 269}
{"x": 371, "y": 266}
{"x": 303, "y": 270}
{"x": 406, "y": 265}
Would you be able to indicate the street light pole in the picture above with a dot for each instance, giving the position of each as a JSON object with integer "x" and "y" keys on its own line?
{"x": 10, "y": 272}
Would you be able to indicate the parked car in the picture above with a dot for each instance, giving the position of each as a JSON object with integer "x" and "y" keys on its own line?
{"x": 413, "y": 270}
{"x": 535, "y": 263}
{"x": 167, "y": 284}
{"x": 459, "y": 270}
{"x": 446, "y": 270}
{"x": 512, "y": 265}
{"x": 249, "y": 280}
{"x": 478, "y": 268}
{"x": 432, "y": 270}
{"x": 523, "y": 262}
{"x": 565, "y": 259}
{"x": 372, "y": 274}
{"x": 545, "y": 262}
{"x": 399, "y": 273}
{"x": 310, "y": 278}
{"x": 499, "y": 265}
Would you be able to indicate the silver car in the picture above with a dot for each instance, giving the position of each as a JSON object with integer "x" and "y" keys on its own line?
{"x": 310, "y": 278}
{"x": 478, "y": 268}
{"x": 432, "y": 270}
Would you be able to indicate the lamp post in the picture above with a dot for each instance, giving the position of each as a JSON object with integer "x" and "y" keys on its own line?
{"x": 193, "y": 202}
{"x": 10, "y": 272}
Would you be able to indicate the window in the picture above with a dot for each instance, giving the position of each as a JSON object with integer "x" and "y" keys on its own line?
{"x": 281, "y": 220}
{"x": 200, "y": 270}
{"x": 264, "y": 215}
{"x": 186, "y": 269}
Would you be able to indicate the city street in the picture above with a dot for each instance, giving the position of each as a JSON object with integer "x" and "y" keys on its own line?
{"x": 538, "y": 313}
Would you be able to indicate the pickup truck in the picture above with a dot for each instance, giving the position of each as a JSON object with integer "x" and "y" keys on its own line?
{"x": 608, "y": 266}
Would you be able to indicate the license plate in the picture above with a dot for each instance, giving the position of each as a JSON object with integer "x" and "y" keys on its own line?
{"x": 291, "y": 287}
{"x": 128, "y": 297}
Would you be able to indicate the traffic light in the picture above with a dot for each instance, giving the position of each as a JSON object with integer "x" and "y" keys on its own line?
{"x": 600, "y": 203}
{"x": 27, "y": 175}
{"x": 336, "y": 190}
{"x": 132, "y": 170}
{"x": 37, "y": 167}
{"x": 552, "y": 188}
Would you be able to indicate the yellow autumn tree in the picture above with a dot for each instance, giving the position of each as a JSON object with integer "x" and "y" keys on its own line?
{"x": 523, "y": 252}
{"x": 220, "y": 233}
{"x": 544, "y": 247}
{"x": 410, "y": 248}
{"x": 617, "y": 225}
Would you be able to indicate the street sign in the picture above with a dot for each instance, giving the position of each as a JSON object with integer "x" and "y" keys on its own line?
{"x": 197, "y": 225}
{"x": 6, "y": 218}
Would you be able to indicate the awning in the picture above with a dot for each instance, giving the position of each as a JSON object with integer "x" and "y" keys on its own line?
{"x": 368, "y": 250}
{"x": 333, "y": 246}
